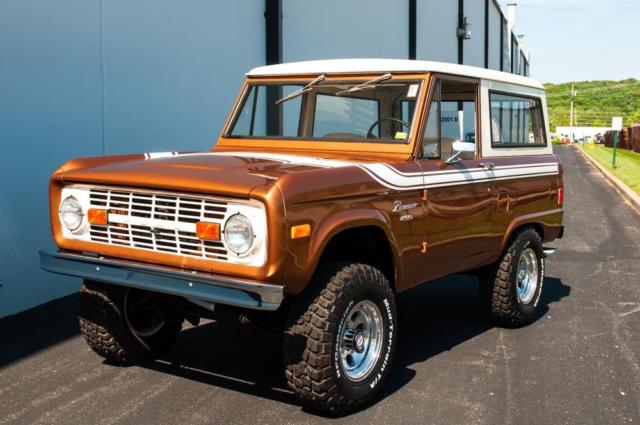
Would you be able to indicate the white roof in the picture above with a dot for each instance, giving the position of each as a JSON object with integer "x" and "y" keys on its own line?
{"x": 359, "y": 66}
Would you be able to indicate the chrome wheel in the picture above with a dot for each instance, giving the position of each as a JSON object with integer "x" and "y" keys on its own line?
{"x": 527, "y": 275}
{"x": 361, "y": 338}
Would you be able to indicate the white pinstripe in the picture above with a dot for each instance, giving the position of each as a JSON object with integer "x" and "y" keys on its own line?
{"x": 392, "y": 178}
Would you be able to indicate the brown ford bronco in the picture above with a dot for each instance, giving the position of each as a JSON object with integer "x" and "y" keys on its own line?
{"x": 334, "y": 185}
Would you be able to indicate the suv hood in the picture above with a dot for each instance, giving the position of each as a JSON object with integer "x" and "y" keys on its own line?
{"x": 224, "y": 173}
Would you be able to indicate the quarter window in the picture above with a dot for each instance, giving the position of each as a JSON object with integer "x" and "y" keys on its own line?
{"x": 516, "y": 121}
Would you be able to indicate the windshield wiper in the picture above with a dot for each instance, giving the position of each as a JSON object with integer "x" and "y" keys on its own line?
{"x": 366, "y": 85}
{"x": 303, "y": 90}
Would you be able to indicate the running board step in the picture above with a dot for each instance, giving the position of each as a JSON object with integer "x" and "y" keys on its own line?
{"x": 548, "y": 251}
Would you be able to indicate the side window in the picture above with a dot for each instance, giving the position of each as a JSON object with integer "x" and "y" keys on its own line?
{"x": 431, "y": 138}
{"x": 343, "y": 117}
{"x": 516, "y": 121}
{"x": 452, "y": 118}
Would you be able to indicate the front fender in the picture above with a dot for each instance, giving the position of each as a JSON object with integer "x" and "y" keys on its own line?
{"x": 306, "y": 258}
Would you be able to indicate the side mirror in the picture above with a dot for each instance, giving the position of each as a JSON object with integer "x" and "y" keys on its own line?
{"x": 459, "y": 148}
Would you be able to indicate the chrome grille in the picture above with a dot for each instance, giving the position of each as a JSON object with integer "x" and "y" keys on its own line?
{"x": 157, "y": 221}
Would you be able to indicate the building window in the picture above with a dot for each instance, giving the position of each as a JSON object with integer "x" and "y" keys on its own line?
{"x": 516, "y": 121}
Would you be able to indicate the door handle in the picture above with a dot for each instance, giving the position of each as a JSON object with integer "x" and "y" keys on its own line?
{"x": 488, "y": 165}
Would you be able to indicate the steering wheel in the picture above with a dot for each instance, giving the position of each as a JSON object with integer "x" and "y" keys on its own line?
{"x": 370, "y": 134}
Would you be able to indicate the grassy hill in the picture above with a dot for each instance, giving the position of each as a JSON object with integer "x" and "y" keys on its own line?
{"x": 595, "y": 103}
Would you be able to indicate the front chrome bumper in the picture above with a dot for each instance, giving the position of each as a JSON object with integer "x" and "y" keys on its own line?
{"x": 168, "y": 280}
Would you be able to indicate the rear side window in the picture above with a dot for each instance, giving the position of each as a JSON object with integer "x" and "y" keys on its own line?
{"x": 516, "y": 121}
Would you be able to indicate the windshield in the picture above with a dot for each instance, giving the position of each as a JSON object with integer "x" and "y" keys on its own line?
{"x": 379, "y": 110}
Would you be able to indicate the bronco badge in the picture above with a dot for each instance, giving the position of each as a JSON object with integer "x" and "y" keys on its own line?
{"x": 398, "y": 206}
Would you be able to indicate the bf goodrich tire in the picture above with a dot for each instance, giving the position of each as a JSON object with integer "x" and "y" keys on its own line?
{"x": 114, "y": 326}
{"x": 341, "y": 337}
{"x": 511, "y": 288}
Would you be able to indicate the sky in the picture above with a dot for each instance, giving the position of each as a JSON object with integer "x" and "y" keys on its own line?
{"x": 578, "y": 40}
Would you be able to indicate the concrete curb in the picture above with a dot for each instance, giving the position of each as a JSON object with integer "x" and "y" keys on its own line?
{"x": 625, "y": 191}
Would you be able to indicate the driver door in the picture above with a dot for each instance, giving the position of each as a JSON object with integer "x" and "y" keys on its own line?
{"x": 457, "y": 199}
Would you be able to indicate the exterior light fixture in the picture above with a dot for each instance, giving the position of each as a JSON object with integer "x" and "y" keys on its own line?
{"x": 464, "y": 31}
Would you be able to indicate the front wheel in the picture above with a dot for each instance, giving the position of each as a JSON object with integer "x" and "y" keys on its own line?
{"x": 339, "y": 342}
{"x": 510, "y": 289}
{"x": 126, "y": 325}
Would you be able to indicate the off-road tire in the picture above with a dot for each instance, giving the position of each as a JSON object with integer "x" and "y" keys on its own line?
{"x": 498, "y": 283}
{"x": 311, "y": 341}
{"x": 105, "y": 328}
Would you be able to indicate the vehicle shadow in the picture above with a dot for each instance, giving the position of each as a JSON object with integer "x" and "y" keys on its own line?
{"x": 32, "y": 331}
{"x": 436, "y": 317}
{"x": 433, "y": 318}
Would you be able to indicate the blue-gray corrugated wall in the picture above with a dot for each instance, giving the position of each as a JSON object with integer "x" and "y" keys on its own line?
{"x": 85, "y": 78}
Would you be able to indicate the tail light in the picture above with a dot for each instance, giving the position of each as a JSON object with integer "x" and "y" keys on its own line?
{"x": 560, "y": 196}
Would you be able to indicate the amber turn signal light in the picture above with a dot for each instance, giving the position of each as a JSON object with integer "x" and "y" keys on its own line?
{"x": 208, "y": 231}
{"x": 98, "y": 217}
{"x": 300, "y": 231}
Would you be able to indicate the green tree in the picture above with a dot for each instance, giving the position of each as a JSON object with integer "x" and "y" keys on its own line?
{"x": 595, "y": 103}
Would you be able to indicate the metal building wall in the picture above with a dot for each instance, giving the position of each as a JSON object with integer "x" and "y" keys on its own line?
{"x": 473, "y": 48}
{"x": 515, "y": 56}
{"x": 344, "y": 28}
{"x": 85, "y": 78}
{"x": 506, "y": 48}
{"x": 173, "y": 69}
{"x": 437, "y": 22}
{"x": 51, "y": 110}
{"x": 495, "y": 27}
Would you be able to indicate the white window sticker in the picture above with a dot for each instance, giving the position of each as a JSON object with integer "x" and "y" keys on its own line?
{"x": 413, "y": 91}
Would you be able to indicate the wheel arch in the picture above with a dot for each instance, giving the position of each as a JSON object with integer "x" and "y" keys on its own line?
{"x": 357, "y": 236}
{"x": 518, "y": 226}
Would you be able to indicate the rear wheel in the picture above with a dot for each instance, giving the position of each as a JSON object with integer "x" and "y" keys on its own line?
{"x": 340, "y": 339}
{"x": 511, "y": 288}
{"x": 126, "y": 325}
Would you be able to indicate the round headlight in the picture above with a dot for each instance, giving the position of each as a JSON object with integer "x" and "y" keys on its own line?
{"x": 71, "y": 213}
{"x": 238, "y": 234}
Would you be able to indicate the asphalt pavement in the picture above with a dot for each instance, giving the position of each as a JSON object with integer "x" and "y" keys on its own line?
{"x": 579, "y": 363}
